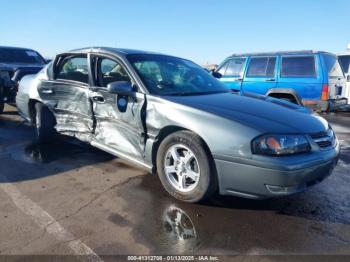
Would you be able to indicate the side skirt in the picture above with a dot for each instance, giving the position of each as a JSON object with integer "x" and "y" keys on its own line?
{"x": 121, "y": 155}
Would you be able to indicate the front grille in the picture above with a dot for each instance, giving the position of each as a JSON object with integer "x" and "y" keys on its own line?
{"x": 324, "y": 139}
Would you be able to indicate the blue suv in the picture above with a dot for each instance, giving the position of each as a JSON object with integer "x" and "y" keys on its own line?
{"x": 310, "y": 78}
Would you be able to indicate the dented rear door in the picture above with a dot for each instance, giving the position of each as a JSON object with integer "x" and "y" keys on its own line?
{"x": 68, "y": 96}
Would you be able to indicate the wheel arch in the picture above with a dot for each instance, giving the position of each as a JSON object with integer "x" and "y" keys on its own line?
{"x": 167, "y": 131}
{"x": 275, "y": 92}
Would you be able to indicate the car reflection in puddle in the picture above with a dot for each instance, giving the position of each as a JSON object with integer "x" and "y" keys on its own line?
{"x": 178, "y": 224}
{"x": 226, "y": 225}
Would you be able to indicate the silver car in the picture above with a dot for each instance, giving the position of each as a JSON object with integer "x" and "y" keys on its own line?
{"x": 172, "y": 117}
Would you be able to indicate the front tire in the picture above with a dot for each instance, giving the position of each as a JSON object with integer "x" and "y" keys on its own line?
{"x": 185, "y": 167}
{"x": 45, "y": 124}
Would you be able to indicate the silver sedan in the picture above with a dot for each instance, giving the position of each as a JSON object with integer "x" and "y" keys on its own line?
{"x": 173, "y": 118}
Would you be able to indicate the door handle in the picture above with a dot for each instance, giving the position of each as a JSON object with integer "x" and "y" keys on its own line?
{"x": 270, "y": 80}
{"x": 46, "y": 91}
{"x": 98, "y": 99}
{"x": 239, "y": 79}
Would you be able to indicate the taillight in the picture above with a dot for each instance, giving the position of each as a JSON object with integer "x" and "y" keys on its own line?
{"x": 325, "y": 92}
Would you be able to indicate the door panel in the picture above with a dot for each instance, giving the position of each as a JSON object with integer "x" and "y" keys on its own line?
{"x": 260, "y": 75}
{"x": 70, "y": 104}
{"x": 119, "y": 118}
{"x": 119, "y": 122}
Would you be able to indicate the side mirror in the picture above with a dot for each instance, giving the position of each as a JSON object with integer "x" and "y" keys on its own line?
{"x": 216, "y": 74}
{"x": 348, "y": 78}
{"x": 120, "y": 88}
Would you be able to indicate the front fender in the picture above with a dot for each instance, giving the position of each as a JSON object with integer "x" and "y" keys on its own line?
{"x": 224, "y": 137}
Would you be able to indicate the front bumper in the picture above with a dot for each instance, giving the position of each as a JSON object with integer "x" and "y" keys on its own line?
{"x": 257, "y": 182}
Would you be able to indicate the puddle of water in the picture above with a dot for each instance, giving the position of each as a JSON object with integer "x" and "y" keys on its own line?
{"x": 224, "y": 224}
{"x": 33, "y": 152}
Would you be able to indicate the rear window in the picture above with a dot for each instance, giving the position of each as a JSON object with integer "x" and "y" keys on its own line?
{"x": 298, "y": 66}
{"x": 344, "y": 62}
{"x": 20, "y": 56}
{"x": 262, "y": 67}
{"x": 332, "y": 66}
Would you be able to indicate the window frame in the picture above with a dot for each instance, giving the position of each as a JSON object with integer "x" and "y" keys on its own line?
{"x": 229, "y": 61}
{"x": 94, "y": 60}
{"x": 224, "y": 64}
{"x": 59, "y": 62}
{"x": 315, "y": 58}
{"x": 97, "y": 74}
{"x": 263, "y": 76}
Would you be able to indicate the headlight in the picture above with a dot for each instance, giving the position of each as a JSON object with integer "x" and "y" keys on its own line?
{"x": 280, "y": 145}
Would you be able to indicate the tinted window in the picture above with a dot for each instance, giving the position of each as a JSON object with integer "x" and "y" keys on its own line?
{"x": 8, "y": 55}
{"x": 235, "y": 67}
{"x": 332, "y": 66}
{"x": 344, "y": 62}
{"x": 111, "y": 71}
{"x": 302, "y": 66}
{"x": 222, "y": 69}
{"x": 75, "y": 69}
{"x": 166, "y": 75}
{"x": 262, "y": 67}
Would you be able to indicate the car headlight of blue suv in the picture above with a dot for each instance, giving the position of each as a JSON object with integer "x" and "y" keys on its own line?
{"x": 280, "y": 145}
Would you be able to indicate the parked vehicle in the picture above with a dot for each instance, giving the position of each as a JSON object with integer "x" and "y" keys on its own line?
{"x": 344, "y": 60}
{"x": 168, "y": 114}
{"x": 14, "y": 64}
{"x": 309, "y": 78}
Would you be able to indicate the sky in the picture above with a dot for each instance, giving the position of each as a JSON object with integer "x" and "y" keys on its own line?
{"x": 205, "y": 31}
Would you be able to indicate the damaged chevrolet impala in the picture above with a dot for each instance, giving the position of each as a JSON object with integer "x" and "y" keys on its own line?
{"x": 173, "y": 118}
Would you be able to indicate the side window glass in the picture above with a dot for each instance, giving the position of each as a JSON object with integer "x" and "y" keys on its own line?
{"x": 302, "y": 66}
{"x": 261, "y": 67}
{"x": 222, "y": 68}
{"x": 111, "y": 71}
{"x": 74, "y": 69}
{"x": 235, "y": 67}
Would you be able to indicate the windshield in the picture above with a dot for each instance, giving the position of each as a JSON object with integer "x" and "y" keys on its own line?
{"x": 20, "y": 56}
{"x": 165, "y": 75}
{"x": 333, "y": 66}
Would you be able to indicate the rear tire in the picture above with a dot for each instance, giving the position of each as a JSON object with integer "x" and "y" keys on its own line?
{"x": 189, "y": 179}
{"x": 45, "y": 124}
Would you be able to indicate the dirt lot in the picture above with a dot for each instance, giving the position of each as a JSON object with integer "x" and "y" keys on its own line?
{"x": 68, "y": 198}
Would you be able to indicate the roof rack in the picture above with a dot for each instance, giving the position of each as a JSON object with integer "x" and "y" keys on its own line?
{"x": 279, "y": 53}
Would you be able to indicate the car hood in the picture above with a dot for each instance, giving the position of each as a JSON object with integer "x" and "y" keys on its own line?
{"x": 16, "y": 66}
{"x": 266, "y": 114}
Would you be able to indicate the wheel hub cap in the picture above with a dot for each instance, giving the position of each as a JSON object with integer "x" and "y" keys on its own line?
{"x": 181, "y": 168}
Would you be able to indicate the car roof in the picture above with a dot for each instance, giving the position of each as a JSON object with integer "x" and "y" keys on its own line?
{"x": 111, "y": 50}
{"x": 16, "y": 48}
{"x": 300, "y": 52}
